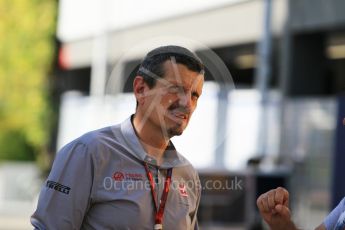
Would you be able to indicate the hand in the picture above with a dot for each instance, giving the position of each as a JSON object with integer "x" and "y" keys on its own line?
{"x": 274, "y": 209}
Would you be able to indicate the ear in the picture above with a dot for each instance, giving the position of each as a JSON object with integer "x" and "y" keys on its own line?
{"x": 139, "y": 88}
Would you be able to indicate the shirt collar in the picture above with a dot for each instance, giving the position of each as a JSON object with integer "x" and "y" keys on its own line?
{"x": 171, "y": 158}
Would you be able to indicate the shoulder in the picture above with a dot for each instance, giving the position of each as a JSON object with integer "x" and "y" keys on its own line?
{"x": 331, "y": 220}
{"x": 342, "y": 203}
{"x": 98, "y": 136}
{"x": 96, "y": 139}
{"x": 89, "y": 142}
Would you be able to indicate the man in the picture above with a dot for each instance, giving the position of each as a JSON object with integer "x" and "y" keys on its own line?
{"x": 274, "y": 209}
{"x": 129, "y": 176}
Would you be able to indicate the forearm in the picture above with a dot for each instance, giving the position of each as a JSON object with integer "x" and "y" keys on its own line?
{"x": 286, "y": 226}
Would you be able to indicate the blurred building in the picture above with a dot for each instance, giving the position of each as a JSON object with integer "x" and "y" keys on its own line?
{"x": 292, "y": 131}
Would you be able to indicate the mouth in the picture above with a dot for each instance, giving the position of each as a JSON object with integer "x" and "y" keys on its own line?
{"x": 178, "y": 116}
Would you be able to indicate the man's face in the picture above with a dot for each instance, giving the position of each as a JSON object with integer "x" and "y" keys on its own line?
{"x": 170, "y": 103}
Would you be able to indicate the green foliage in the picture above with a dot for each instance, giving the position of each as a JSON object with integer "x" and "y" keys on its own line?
{"x": 27, "y": 30}
{"x": 15, "y": 145}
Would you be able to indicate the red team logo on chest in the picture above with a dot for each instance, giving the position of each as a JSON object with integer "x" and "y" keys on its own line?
{"x": 127, "y": 176}
{"x": 118, "y": 176}
{"x": 182, "y": 189}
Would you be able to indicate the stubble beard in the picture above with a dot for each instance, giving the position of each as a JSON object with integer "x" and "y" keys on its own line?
{"x": 175, "y": 131}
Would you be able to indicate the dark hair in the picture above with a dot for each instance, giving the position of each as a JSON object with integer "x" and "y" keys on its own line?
{"x": 152, "y": 67}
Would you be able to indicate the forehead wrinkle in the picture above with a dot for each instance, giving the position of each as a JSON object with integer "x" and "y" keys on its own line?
{"x": 176, "y": 71}
{"x": 176, "y": 78}
{"x": 154, "y": 76}
{"x": 196, "y": 80}
{"x": 193, "y": 85}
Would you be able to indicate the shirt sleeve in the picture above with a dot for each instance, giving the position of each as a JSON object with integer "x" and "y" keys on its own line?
{"x": 66, "y": 194}
{"x": 331, "y": 220}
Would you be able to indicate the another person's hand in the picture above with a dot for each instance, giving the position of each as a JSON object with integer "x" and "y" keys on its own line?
{"x": 274, "y": 209}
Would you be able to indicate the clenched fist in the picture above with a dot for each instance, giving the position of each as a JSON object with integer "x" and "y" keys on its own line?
{"x": 274, "y": 209}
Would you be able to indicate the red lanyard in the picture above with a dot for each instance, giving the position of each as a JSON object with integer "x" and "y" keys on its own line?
{"x": 159, "y": 211}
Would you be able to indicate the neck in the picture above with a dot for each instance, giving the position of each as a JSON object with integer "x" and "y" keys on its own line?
{"x": 150, "y": 137}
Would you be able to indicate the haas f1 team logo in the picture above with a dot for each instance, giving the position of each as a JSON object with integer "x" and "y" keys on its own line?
{"x": 118, "y": 176}
{"x": 182, "y": 189}
{"x": 127, "y": 176}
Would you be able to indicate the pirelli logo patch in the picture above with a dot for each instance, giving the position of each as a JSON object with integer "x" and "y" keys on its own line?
{"x": 58, "y": 187}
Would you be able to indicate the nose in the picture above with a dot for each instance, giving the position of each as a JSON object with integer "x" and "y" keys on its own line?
{"x": 185, "y": 100}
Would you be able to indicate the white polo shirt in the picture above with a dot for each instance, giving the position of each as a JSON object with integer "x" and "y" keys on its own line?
{"x": 98, "y": 181}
